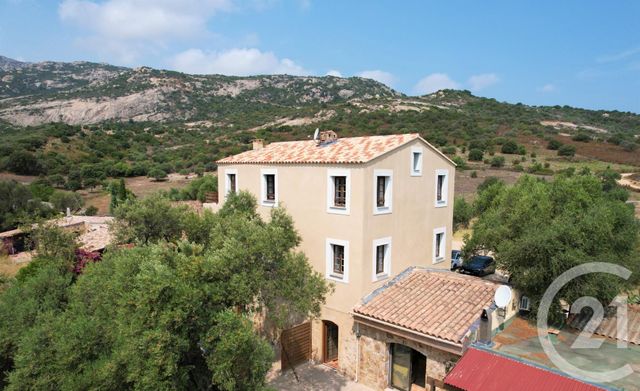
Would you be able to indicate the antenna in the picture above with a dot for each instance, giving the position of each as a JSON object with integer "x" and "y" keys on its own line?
{"x": 502, "y": 297}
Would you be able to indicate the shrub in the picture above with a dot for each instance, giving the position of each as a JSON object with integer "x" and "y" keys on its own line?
{"x": 460, "y": 163}
{"x": 497, "y": 161}
{"x": 476, "y": 155}
{"x": 554, "y": 145}
{"x": 91, "y": 210}
{"x": 62, "y": 200}
{"x": 510, "y": 147}
{"x": 567, "y": 150}
{"x": 474, "y": 174}
{"x": 449, "y": 150}
{"x": 582, "y": 137}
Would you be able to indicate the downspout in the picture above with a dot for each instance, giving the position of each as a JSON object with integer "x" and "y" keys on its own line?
{"x": 357, "y": 350}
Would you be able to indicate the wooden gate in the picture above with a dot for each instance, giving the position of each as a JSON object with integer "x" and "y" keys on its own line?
{"x": 296, "y": 345}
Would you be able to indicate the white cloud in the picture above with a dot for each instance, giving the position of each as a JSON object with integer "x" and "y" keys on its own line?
{"x": 334, "y": 72}
{"x": 547, "y": 88}
{"x": 623, "y": 55}
{"x": 435, "y": 82}
{"x": 378, "y": 75}
{"x": 125, "y": 27}
{"x": 239, "y": 62}
{"x": 482, "y": 81}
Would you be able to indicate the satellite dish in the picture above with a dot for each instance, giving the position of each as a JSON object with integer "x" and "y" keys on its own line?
{"x": 502, "y": 296}
{"x": 316, "y": 134}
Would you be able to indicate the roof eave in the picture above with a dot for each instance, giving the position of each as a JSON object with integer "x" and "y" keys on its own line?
{"x": 416, "y": 336}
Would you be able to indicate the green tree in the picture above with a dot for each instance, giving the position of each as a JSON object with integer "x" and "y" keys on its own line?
{"x": 62, "y": 200}
{"x": 173, "y": 315}
{"x": 23, "y": 163}
{"x": 157, "y": 174}
{"x": 554, "y": 144}
{"x": 462, "y": 213}
{"x": 539, "y": 229}
{"x": 497, "y": 161}
{"x": 119, "y": 194}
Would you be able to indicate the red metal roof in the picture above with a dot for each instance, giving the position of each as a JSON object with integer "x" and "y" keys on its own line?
{"x": 482, "y": 370}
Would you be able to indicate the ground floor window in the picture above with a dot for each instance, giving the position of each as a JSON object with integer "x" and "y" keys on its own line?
{"x": 408, "y": 367}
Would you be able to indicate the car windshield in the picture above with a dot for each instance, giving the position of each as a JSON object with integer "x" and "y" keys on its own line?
{"x": 455, "y": 254}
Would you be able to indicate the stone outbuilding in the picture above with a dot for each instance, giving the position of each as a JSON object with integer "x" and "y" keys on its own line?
{"x": 413, "y": 330}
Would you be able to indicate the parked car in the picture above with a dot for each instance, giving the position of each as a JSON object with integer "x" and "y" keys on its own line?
{"x": 479, "y": 265}
{"x": 456, "y": 259}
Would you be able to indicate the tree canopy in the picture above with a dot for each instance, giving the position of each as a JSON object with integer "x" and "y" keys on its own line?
{"x": 538, "y": 229}
{"x": 174, "y": 312}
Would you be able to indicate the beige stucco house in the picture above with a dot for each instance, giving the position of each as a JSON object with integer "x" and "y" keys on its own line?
{"x": 367, "y": 208}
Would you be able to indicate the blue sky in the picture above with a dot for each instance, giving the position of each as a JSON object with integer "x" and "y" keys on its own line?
{"x": 579, "y": 53}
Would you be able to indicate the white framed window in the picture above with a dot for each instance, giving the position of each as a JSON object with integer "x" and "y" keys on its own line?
{"x": 269, "y": 187}
{"x": 442, "y": 188}
{"x": 416, "y": 161}
{"x": 381, "y": 259}
{"x": 439, "y": 244}
{"x": 339, "y": 191}
{"x": 382, "y": 191}
{"x": 231, "y": 181}
{"x": 337, "y": 260}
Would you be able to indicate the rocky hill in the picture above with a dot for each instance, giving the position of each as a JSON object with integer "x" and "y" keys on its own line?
{"x": 88, "y": 93}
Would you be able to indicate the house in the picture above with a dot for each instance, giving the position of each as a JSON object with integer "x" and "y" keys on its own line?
{"x": 366, "y": 208}
{"x": 414, "y": 329}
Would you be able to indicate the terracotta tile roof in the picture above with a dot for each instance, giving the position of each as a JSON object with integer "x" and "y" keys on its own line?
{"x": 343, "y": 150}
{"x": 437, "y": 303}
{"x": 608, "y": 327}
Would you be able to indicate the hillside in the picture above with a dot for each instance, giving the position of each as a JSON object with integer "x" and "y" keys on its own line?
{"x": 87, "y": 93}
{"x": 85, "y": 120}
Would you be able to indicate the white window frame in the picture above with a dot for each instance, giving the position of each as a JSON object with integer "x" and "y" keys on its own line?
{"x": 419, "y": 151}
{"x": 445, "y": 189}
{"x": 331, "y": 208}
{"x": 227, "y": 180}
{"x": 387, "y": 259}
{"x": 329, "y": 274}
{"x": 443, "y": 231}
{"x": 388, "y": 192}
{"x": 263, "y": 187}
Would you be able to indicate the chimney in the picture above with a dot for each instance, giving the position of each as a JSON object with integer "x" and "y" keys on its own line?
{"x": 258, "y": 144}
{"x": 485, "y": 331}
{"x": 68, "y": 212}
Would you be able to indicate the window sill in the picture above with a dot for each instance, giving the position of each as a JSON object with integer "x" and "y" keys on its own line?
{"x": 438, "y": 260}
{"x": 269, "y": 203}
{"x": 339, "y": 210}
{"x": 381, "y": 276}
{"x": 441, "y": 204}
{"x": 382, "y": 210}
{"x": 337, "y": 277}
{"x": 416, "y": 174}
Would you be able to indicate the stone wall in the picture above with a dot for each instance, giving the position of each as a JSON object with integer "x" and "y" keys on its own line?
{"x": 375, "y": 359}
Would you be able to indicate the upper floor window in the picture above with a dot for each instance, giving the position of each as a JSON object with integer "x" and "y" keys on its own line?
{"x": 381, "y": 258}
{"x": 442, "y": 179}
{"x": 231, "y": 184}
{"x": 382, "y": 191}
{"x": 416, "y": 161}
{"x": 439, "y": 244}
{"x": 269, "y": 187}
{"x": 338, "y": 191}
{"x": 337, "y": 259}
